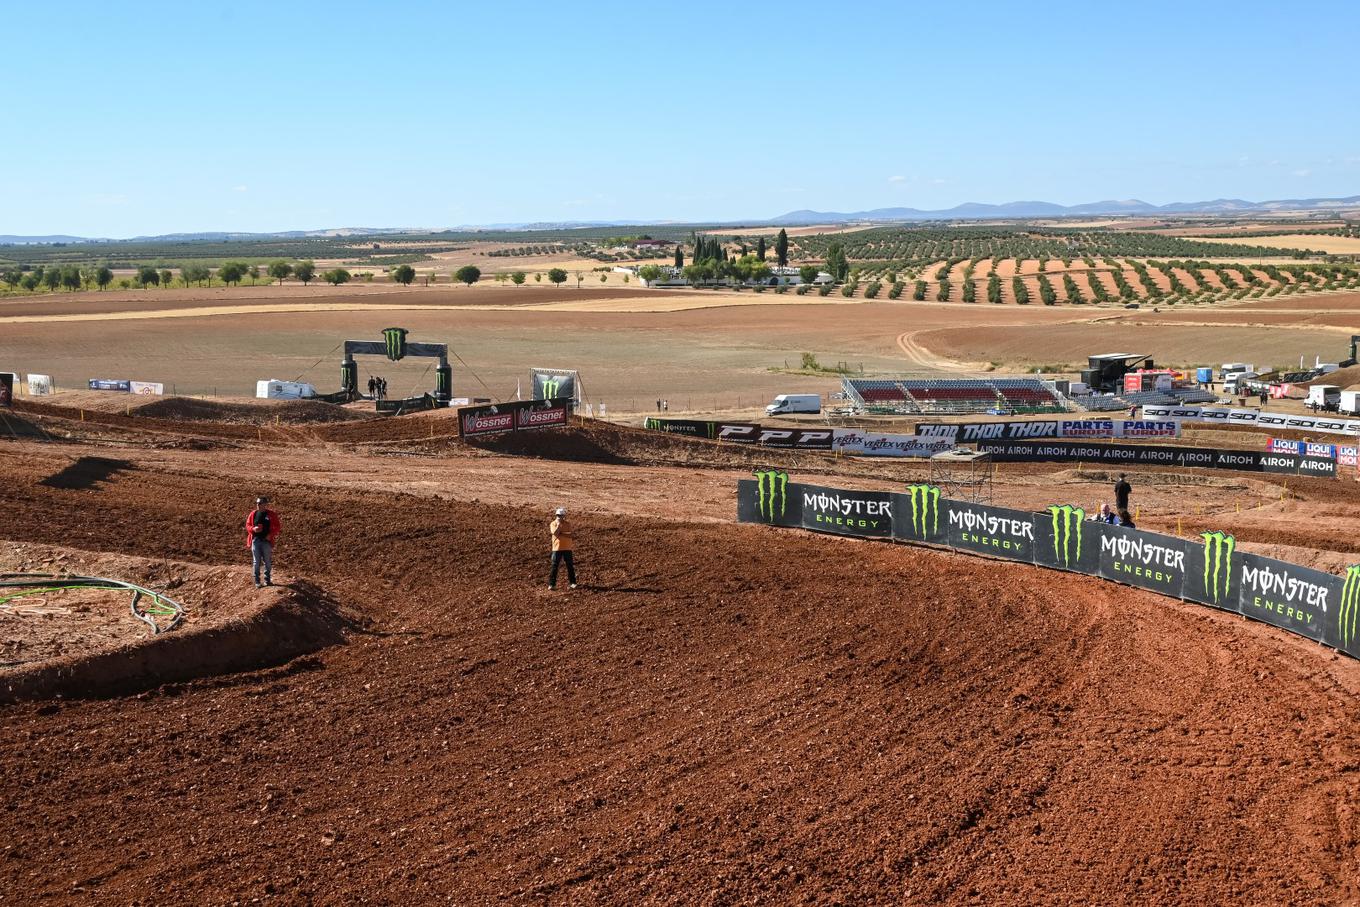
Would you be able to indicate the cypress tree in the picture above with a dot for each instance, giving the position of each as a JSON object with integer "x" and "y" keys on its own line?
{"x": 781, "y": 248}
{"x": 679, "y": 255}
{"x": 760, "y": 249}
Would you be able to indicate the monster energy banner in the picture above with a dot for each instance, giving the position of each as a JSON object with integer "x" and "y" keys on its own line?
{"x": 1209, "y": 569}
{"x": 555, "y": 384}
{"x": 395, "y": 341}
{"x": 408, "y": 405}
{"x": 770, "y": 498}
{"x": 1147, "y": 559}
{"x": 692, "y": 428}
{"x": 1067, "y": 540}
{"x": 997, "y": 531}
{"x": 863, "y": 513}
{"x": 1158, "y": 455}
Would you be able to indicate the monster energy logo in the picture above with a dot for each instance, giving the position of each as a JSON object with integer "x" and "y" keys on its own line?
{"x": 1067, "y": 522}
{"x": 925, "y": 509}
{"x": 1350, "y": 605}
{"x": 773, "y": 487}
{"x": 551, "y": 386}
{"x": 396, "y": 343}
{"x": 1218, "y": 552}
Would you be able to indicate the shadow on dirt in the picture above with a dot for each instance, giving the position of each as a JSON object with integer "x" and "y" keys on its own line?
{"x": 86, "y": 473}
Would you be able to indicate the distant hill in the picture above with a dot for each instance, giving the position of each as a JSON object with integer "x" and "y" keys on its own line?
{"x": 1013, "y": 210}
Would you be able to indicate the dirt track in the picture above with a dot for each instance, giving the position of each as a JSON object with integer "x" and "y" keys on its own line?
{"x": 721, "y": 714}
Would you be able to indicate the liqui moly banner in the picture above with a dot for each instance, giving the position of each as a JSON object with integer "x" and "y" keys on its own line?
{"x": 872, "y": 444}
{"x": 1307, "y": 449}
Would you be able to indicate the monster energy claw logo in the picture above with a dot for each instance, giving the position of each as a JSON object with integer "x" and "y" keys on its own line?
{"x": 1067, "y": 522}
{"x": 925, "y": 509}
{"x": 1350, "y": 605}
{"x": 552, "y": 385}
{"x": 773, "y": 487}
{"x": 396, "y": 343}
{"x": 1218, "y": 552}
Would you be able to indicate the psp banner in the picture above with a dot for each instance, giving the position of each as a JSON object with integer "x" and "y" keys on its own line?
{"x": 872, "y": 444}
{"x": 789, "y": 438}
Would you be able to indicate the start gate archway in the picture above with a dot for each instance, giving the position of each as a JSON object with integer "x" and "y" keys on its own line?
{"x": 396, "y": 347}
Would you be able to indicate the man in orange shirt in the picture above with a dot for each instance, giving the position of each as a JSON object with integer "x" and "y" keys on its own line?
{"x": 560, "y": 531}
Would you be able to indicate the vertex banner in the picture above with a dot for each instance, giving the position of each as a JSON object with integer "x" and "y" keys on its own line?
{"x": 1209, "y": 569}
{"x": 858, "y": 443}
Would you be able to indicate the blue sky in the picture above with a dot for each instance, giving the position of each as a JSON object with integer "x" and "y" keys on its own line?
{"x": 142, "y": 118}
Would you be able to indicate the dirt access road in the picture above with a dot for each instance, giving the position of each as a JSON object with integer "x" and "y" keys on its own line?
{"x": 701, "y": 723}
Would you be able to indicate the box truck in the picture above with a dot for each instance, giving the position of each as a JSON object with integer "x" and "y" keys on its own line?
{"x": 1324, "y": 395}
{"x": 794, "y": 403}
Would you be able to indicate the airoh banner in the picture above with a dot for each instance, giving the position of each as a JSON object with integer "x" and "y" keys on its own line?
{"x": 1209, "y": 569}
{"x": 1157, "y": 455}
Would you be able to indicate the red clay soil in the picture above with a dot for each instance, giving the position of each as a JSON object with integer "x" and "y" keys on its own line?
{"x": 721, "y": 714}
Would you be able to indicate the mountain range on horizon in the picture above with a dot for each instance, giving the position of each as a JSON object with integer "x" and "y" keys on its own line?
{"x": 1018, "y": 210}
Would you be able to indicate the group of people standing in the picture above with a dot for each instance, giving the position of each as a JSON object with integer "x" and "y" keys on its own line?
{"x": 1120, "y": 515}
{"x": 663, "y": 406}
{"x": 263, "y": 527}
{"x": 377, "y": 388}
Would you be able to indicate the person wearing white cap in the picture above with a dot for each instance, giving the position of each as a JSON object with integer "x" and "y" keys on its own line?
{"x": 561, "y": 548}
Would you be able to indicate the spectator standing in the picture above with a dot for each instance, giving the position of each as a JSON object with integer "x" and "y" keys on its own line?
{"x": 262, "y": 530}
{"x": 562, "y": 548}
{"x": 372, "y": 387}
{"x": 1122, "y": 490}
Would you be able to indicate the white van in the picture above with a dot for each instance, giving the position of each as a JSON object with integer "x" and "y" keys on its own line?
{"x": 794, "y": 403}
{"x": 1322, "y": 395}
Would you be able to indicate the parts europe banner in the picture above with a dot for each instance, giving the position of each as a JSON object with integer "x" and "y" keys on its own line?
{"x": 1208, "y": 569}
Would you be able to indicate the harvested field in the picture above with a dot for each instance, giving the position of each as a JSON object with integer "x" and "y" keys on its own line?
{"x": 698, "y": 718}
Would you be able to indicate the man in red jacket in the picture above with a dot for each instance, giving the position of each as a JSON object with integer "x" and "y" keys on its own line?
{"x": 262, "y": 528}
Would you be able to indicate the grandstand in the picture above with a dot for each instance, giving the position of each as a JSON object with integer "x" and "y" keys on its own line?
{"x": 934, "y": 396}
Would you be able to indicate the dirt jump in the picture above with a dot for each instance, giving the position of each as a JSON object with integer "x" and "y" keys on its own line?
{"x": 721, "y": 714}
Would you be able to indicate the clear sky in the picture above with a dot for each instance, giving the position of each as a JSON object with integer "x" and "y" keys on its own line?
{"x": 143, "y": 118}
